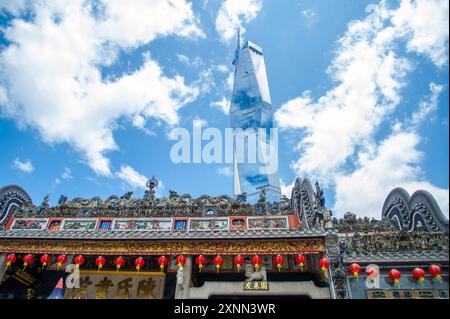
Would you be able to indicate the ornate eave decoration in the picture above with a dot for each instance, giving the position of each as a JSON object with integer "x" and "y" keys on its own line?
{"x": 168, "y": 247}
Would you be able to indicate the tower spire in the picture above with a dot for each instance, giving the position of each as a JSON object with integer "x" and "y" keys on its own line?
{"x": 238, "y": 39}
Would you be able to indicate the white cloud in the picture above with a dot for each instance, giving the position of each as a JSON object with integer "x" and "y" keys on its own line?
{"x": 427, "y": 106}
{"x": 338, "y": 147}
{"x": 183, "y": 58}
{"x": 425, "y": 25}
{"x": 15, "y": 7}
{"x": 222, "y": 68}
{"x": 230, "y": 81}
{"x": 131, "y": 177}
{"x": 286, "y": 189}
{"x": 225, "y": 171}
{"x": 67, "y": 174}
{"x": 233, "y": 14}
{"x": 395, "y": 164}
{"x": 223, "y": 105}
{"x": 51, "y": 71}
{"x": 24, "y": 166}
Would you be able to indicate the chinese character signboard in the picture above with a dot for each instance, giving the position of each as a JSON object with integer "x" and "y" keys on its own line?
{"x": 256, "y": 285}
{"x": 118, "y": 285}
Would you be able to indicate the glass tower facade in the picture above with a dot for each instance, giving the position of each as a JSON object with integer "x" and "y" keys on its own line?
{"x": 251, "y": 108}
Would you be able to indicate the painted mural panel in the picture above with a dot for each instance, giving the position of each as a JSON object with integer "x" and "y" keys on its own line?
{"x": 79, "y": 224}
{"x": 150, "y": 224}
{"x": 54, "y": 225}
{"x": 29, "y": 224}
{"x": 271, "y": 222}
{"x": 210, "y": 223}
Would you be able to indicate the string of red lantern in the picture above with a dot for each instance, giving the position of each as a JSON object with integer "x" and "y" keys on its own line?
{"x": 200, "y": 261}
{"x": 372, "y": 273}
{"x": 419, "y": 274}
{"x": 355, "y": 269}
{"x": 256, "y": 262}
{"x": 100, "y": 262}
{"x": 238, "y": 261}
{"x": 218, "y": 261}
{"x": 435, "y": 271}
{"x": 60, "y": 260}
{"x": 395, "y": 276}
{"x": 162, "y": 262}
{"x": 324, "y": 264}
{"x": 10, "y": 259}
{"x": 27, "y": 260}
{"x": 278, "y": 260}
{"x": 45, "y": 259}
{"x": 79, "y": 261}
{"x": 139, "y": 263}
{"x": 300, "y": 260}
{"x": 119, "y": 262}
{"x": 180, "y": 261}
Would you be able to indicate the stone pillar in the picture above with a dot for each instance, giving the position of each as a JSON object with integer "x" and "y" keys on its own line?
{"x": 182, "y": 289}
{"x": 2, "y": 266}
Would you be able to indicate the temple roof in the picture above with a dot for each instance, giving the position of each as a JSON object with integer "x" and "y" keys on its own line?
{"x": 166, "y": 235}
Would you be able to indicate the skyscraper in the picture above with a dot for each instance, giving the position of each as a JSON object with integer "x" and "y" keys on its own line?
{"x": 251, "y": 108}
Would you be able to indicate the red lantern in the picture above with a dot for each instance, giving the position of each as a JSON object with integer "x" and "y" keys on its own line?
{"x": 372, "y": 273}
{"x": 139, "y": 263}
{"x": 435, "y": 271}
{"x": 238, "y": 261}
{"x": 200, "y": 261}
{"x": 119, "y": 262}
{"x": 301, "y": 261}
{"x": 27, "y": 260}
{"x": 419, "y": 274}
{"x": 162, "y": 262}
{"x": 79, "y": 261}
{"x": 278, "y": 260}
{"x": 180, "y": 260}
{"x": 10, "y": 259}
{"x": 218, "y": 261}
{"x": 45, "y": 259}
{"x": 395, "y": 276}
{"x": 324, "y": 264}
{"x": 62, "y": 259}
{"x": 256, "y": 261}
{"x": 100, "y": 262}
{"x": 355, "y": 269}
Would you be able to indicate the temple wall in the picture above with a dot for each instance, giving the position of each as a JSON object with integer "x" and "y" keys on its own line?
{"x": 307, "y": 288}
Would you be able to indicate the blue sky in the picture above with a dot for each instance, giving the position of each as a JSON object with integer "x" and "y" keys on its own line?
{"x": 90, "y": 91}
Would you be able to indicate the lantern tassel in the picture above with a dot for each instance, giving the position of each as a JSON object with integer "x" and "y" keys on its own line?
{"x": 301, "y": 266}
{"x": 279, "y": 267}
{"x": 421, "y": 280}
{"x": 138, "y": 268}
{"x": 217, "y": 268}
{"x": 200, "y": 267}
{"x": 118, "y": 267}
{"x": 238, "y": 266}
{"x": 8, "y": 265}
{"x": 24, "y": 266}
{"x": 161, "y": 267}
{"x": 397, "y": 282}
